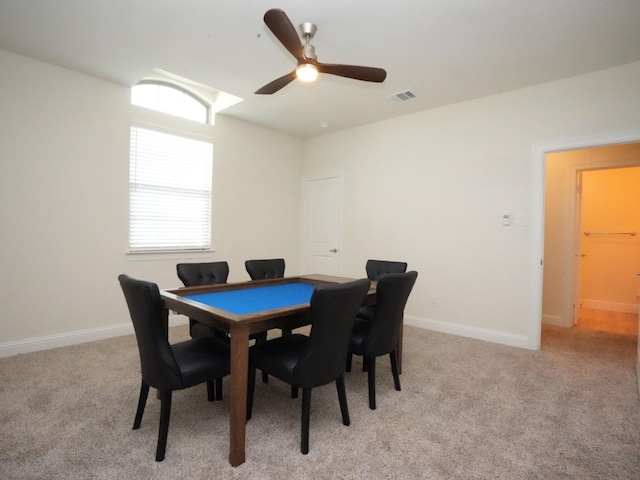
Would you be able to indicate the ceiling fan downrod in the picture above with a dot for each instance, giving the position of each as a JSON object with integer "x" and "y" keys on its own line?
{"x": 308, "y": 30}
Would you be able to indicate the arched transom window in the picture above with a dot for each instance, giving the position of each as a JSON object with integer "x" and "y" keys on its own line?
{"x": 170, "y": 99}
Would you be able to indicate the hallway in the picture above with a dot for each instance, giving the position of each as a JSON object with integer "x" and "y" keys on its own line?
{"x": 608, "y": 321}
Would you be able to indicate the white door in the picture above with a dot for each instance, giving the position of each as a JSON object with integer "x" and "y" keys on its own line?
{"x": 321, "y": 225}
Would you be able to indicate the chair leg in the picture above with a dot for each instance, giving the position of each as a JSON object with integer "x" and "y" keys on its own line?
{"x": 394, "y": 369}
{"x": 306, "y": 414}
{"x": 349, "y": 360}
{"x": 261, "y": 339}
{"x": 218, "y": 388}
{"x": 294, "y": 392}
{"x": 371, "y": 373}
{"x": 211, "y": 391}
{"x": 342, "y": 398}
{"x": 251, "y": 386}
{"x": 142, "y": 401}
{"x": 163, "y": 431}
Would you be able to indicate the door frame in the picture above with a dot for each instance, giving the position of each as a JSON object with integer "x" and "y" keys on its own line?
{"x": 576, "y": 244}
{"x": 577, "y": 171}
{"x": 539, "y": 153}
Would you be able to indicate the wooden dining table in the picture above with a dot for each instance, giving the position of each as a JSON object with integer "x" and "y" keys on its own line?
{"x": 244, "y": 308}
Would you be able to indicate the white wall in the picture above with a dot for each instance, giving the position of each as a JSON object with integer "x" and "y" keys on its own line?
{"x": 64, "y": 204}
{"x": 431, "y": 188}
{"x": 256, "y": 195}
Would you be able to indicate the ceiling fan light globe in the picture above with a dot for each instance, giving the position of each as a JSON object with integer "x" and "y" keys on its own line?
{"x": 306, "y": 72}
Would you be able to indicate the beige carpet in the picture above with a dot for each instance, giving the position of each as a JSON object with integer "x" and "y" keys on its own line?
{"x": 468, "y": 410}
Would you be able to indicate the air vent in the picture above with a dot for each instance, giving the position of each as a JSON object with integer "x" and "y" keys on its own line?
{"x": 404, "y": 96}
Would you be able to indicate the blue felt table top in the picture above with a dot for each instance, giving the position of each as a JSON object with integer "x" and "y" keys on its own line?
{"x": 258, "y": 299}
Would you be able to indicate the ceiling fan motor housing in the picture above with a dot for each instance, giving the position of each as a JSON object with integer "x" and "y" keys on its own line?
{"x": 310, "y": 51}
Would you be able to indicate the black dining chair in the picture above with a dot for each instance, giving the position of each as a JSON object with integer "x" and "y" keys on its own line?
{"x": 204, "y": 273}
{"x": 318, "y": 359}
{"x": 379, "y": 335}
{"x": 209, "y": 273}
{"x": 374, "y": 269}
{"x": 164, "y": 366}
{"x": 265, "y": 268}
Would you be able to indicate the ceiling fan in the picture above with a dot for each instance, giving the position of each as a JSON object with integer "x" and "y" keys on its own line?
{"x": 308, "y": 66}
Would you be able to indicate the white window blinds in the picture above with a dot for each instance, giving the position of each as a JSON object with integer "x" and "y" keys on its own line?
{"x": 169, "y": 192}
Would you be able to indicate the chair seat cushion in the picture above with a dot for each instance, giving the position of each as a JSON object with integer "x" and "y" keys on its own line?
{"x": 279, "y": 356}
{"x": 201, "y": 330}
{"x": 201, "y": 360}
{"x": 367, "y": 312}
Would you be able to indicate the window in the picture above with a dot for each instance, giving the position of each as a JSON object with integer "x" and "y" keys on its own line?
{"x": 170, "y": 99}
{"x": 169, "y": 192}
{"x": 170, "y": 170}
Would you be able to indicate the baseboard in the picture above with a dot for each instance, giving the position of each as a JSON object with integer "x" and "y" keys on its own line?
{"x": 493, "y": 336}
{"x": 28, "y": 345}
{"x": 609, "y": 306}
{"x": 556, "y": 320}
{"x": 82, "y": 336}
{"x": 638, "y": 367}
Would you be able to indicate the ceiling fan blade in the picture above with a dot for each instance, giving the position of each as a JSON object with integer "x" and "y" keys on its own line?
{"x": 367, "y": 74}
{"x": 277, "y": 84}
{"x": 283, "y": 29}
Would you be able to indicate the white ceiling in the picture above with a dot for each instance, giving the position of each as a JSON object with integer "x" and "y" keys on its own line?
{"x": 444, "y": 51}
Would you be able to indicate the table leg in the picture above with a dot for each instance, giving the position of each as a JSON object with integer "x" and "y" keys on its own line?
{"x": 238, "y": 398}
{"x": 165, "y": 320}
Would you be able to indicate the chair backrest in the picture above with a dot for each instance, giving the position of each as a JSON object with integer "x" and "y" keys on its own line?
{"x": 159, "y": 367}
{"x": 193, "y": 274}
{"x": 333, "y": 311}
{"x": 392, "y": 293}
{"x": 375, "y": 268}
{"x": 267, "y": 268}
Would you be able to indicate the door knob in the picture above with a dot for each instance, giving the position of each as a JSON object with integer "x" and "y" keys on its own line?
{"x": 334, "y": 250}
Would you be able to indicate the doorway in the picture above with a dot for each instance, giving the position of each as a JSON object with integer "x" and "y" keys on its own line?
{"x": 564, "y": 237}
{"x": 321, "y": 236}
{"x": 608, "y": 250}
